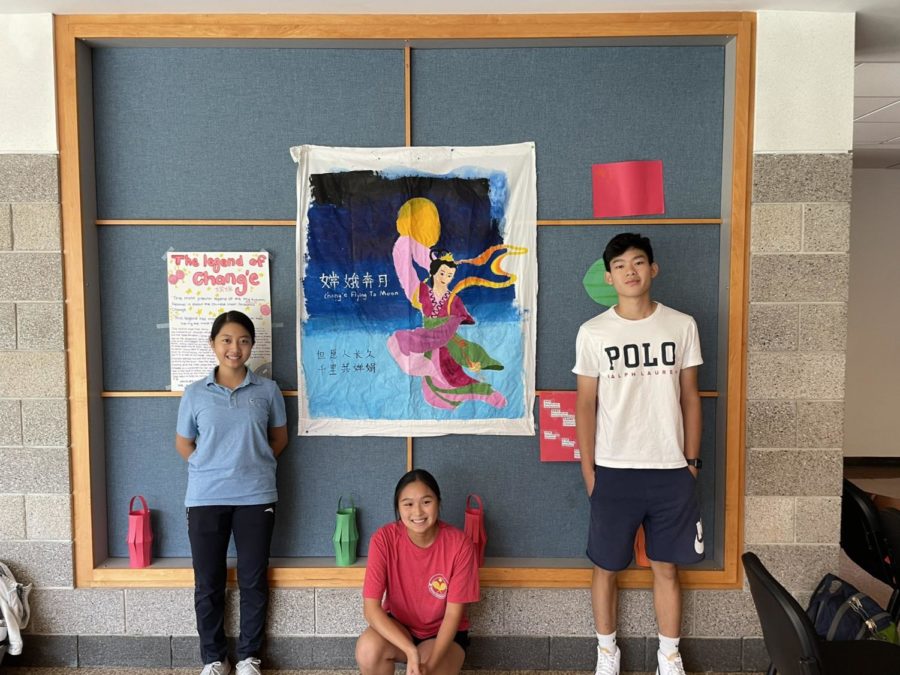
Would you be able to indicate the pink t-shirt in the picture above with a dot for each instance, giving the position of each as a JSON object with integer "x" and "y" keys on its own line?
{"x": 417, "y": 583}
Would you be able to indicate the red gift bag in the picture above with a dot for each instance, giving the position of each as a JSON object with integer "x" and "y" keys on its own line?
{"x": 140, "y": 536}
{"x": 474, "y": 525}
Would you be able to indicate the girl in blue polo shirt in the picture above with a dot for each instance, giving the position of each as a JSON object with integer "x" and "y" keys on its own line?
{"x": 231, "y": 428}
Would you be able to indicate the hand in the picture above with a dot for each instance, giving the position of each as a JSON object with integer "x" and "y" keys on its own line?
{"x": 694, "y": 471}
{"x": 413, "y": 666}
{"x": 589, "y": 484}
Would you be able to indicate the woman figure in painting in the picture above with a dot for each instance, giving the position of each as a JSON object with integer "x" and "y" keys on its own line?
{"x": 436, "y": 352}
{"x": 420, "y": 574}
{"x": 231, "y": 428}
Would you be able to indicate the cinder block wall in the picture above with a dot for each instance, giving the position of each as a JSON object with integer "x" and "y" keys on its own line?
{"x": 35, "y": 525}
{"x": 796, "y": 344}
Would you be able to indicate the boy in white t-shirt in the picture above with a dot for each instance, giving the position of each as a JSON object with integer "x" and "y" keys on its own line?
{"x": 638, "y": 426}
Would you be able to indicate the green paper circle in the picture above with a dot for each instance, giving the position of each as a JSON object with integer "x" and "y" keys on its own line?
{"x": 595, "y": 284}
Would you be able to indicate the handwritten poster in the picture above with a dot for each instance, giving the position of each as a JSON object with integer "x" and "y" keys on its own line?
{"x": 416, "y": 289}
{"x": 202, "y": 286}
{"x": 557, "y": 426}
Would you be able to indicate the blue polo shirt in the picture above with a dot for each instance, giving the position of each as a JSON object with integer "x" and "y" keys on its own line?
{"x": 233, "y": 464}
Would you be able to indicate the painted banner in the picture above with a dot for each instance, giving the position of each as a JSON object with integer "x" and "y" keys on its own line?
{"x": 416, "y": 290}
{"x": 556, "y": 419}
{"x": 202, "y": 286}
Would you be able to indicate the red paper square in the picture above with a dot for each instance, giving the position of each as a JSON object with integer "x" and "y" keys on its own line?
{"x": 628, "y": 189}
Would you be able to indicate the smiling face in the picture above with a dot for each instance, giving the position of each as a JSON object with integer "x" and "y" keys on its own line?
{"x": 631, "y": 273}
{"x": 419, "y": 509}
{"x": 232, "y": 346}
{"x": 444, "y": 276}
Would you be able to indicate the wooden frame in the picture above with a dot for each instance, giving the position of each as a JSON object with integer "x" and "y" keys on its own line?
{"x": 83, "y": 393}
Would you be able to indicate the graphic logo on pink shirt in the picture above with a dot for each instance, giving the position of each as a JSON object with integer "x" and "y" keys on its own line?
{"x": 437, "y": 586}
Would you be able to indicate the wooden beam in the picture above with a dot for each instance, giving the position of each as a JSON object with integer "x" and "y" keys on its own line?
{"x": 401, "y": 27}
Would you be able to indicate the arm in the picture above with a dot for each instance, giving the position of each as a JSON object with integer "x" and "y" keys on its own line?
{"x": 382, "y": 624}
{"x": 691, "y": 414}
{"x": 452, "y": 617}
{"x": 278, "y": 439}
{"x": 185, "y": 446}
{"x": 406, "y": 250}
{"x": 586, "y": 427}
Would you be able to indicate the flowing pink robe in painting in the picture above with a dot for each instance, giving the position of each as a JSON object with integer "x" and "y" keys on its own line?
{"x": 435, "y": 352}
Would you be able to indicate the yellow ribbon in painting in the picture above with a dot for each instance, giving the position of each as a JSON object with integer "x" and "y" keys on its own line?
{"x": 418, "y": 218}
{"x": 496, "y": 267}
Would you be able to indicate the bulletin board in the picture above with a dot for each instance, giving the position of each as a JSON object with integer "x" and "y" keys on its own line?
{"x": 190, "y": 145}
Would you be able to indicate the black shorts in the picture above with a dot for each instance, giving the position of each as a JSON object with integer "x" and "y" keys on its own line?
{"x": 461, "y": 638}
{"x": 663, "y": 500}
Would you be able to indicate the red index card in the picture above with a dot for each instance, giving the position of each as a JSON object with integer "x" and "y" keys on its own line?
{"x": 557, "y": 426}
{"x": 628, "y": 189}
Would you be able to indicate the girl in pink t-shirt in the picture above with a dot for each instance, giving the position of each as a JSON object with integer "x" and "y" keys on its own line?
{"x": 420, "y": 575}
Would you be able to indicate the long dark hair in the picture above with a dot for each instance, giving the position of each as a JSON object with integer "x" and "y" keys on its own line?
{"x": 415, "y": 476}
{"x": 233, "y": 316}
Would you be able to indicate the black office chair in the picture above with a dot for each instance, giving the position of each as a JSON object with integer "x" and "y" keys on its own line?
{"x": 864, "y": 540}
{"x": 890, "y": 521}
{"x": 792, "y": 643}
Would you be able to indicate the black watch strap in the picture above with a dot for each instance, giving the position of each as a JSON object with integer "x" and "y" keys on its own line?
{"x": 697, "y": 463}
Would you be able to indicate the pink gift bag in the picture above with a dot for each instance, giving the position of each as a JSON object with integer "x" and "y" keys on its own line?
{"x": 140, "y": 536}
{"x": 474, "y": 525}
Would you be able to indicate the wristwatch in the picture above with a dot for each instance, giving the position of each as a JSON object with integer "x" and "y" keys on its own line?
{"x": 697, "y": 463}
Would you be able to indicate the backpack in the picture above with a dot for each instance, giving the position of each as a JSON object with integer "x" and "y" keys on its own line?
{"x": 839, "y": 611}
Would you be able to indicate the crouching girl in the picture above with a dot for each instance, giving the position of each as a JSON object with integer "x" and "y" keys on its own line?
{"x": 420, "y": 575}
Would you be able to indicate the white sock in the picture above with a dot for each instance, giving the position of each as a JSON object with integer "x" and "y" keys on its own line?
{"x": 607, "y": 642}
{"x": 668, "y": 645}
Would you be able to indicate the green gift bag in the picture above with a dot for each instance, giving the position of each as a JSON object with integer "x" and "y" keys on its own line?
{"x": 346, "y": 536}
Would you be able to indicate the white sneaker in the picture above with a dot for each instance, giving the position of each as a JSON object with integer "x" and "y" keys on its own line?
{"x": 669, "y": 665}
{"x": 216, "y": 668}
{"x": 249, "y": 666}
{"x": 607, "y": 661}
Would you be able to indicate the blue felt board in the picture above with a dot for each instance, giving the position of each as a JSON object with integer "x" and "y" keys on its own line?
{"x": 205, "y": 133}
{"x": 312, "y": 475}
{"x": 134, "y": 297}
{"x": 582, "y": 106}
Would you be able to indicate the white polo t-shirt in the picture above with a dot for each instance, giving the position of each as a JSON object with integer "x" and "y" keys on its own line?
{"x": 638, "y": 365}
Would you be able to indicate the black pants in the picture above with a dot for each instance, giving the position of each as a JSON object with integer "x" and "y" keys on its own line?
{"x": 209, "y": 530}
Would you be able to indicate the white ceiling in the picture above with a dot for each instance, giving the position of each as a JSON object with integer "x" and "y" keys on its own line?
{"x": 877, "y": 117}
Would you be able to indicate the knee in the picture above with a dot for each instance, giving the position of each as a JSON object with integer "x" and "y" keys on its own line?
{"x": 253, "y": 580}
{"x": 603, "y": 576}
{"x": 369, "y": 650}
{"x": 667, "y": 572}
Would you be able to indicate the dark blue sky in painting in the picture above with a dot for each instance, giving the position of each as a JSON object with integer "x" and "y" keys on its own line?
{"x": 352, "y": 230}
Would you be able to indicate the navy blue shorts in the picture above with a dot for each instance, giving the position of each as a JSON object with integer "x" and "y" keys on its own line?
{"x": 664, "y": 500}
